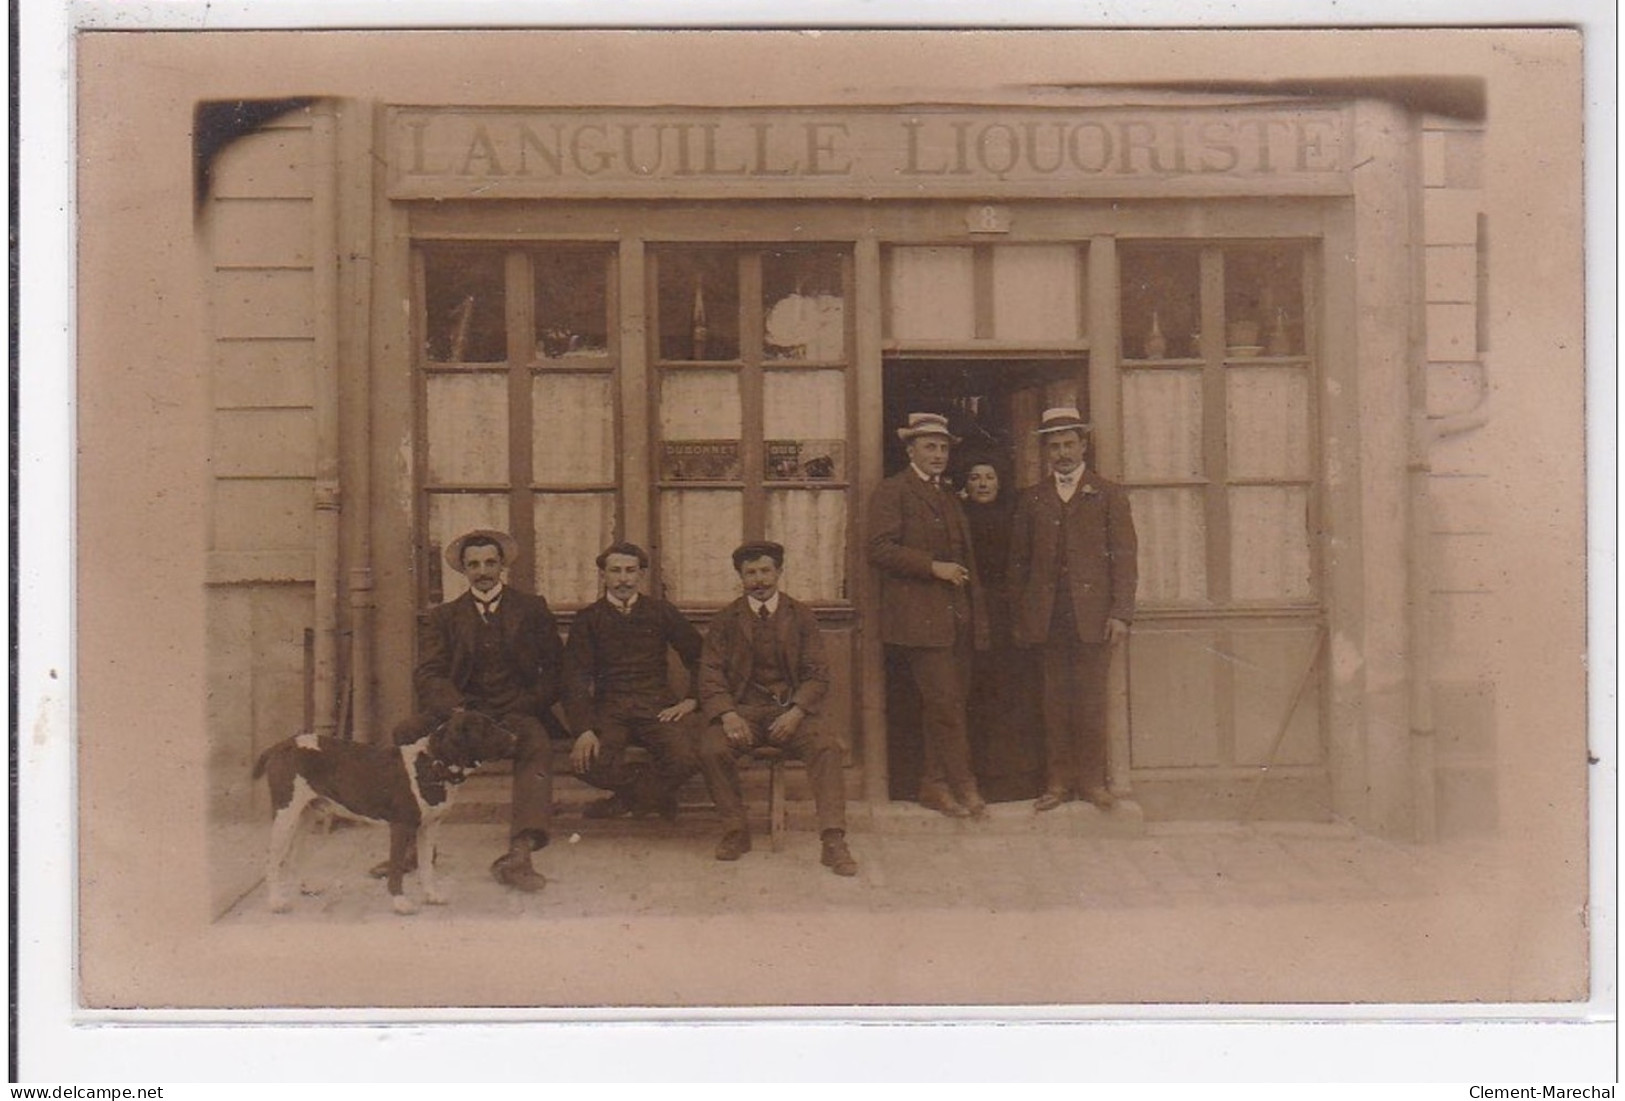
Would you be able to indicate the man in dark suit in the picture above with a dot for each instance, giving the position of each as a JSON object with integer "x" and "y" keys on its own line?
{"x": 931, "y": 605}
{"x": 1073, "y": 569}
{"x": 495, "y": 650}
{"x": 763, "y": 677}
{"x": 617, "y": 691}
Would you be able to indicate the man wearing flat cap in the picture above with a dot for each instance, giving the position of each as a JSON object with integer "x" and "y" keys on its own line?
{"x": 495, "y": 650}
{"x": 931, "y": 605}
{"x": 617, "y": 692}
{"x": 763, "y": 679}
{"x": 1073, "y": 571}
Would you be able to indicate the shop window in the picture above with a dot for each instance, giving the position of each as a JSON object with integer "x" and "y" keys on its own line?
{"x": 1218, "y": 419}
{"x": 464, "y": 300}
{"x": 517, "y": 398}
{"x": 752, "y": 416}
{"x": 699, "y": 305}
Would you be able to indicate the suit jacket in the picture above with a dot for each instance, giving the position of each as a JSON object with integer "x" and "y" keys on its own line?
{"x": 582, "y": 690}
{"x": 725, "y": 662}
{"x": 1101, "y": 558}
{"x": 446, "y": 651}
{"x": 911, "y": 525}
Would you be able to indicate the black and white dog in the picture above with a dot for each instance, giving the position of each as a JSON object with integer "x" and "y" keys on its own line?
{"x": 408, "y": 786}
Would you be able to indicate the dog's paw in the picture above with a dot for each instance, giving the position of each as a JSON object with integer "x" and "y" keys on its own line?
{"x": 435, "y": 898}
{"x": 404, "y": 906}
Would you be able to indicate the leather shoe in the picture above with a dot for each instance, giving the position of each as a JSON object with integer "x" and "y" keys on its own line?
{"x": 1052, "y": 799}
{"x": 974, "y": 804}
{"x": 734, "y": 844}
{"x": 380, "y": 870}
{"x": 517, "y": 874}
{"x": 837, "y": 857}
{"x": 943, "y": 803}
{"x": 1100, "y": 797}
{"x": 611, "y": 806}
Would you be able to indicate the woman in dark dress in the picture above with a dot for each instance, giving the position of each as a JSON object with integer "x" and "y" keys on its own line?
{"x": 1006, "y": 729}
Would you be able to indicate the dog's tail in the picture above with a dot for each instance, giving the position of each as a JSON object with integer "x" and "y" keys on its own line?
{"x": 259, "y": 765}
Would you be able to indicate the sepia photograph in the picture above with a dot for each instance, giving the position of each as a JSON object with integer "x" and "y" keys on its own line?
{"x": 936, "y": 522}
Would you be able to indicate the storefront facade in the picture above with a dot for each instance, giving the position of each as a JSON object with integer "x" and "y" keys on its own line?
{"x": 687, "y": 328}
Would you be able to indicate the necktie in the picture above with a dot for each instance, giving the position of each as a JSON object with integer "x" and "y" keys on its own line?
{"x": 763, "y": 614}
{"x": 486, "y": 609}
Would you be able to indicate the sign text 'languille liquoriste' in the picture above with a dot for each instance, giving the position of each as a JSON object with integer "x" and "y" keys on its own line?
{"x": 577, "y": 152}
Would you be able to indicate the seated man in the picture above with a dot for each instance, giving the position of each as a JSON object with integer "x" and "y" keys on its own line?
{"x": 762, "y": 678}
{"x": 494, "y": 650}
{"x": 617, "y": 692}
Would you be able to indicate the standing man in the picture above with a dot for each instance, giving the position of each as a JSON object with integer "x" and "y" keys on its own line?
{"x": 931, "y": 605}
{"x": 617, "y": 692}
{"x": 763, "y": 677}
{"x": 495, "y": 650}
{"x": 1073, "y": 568}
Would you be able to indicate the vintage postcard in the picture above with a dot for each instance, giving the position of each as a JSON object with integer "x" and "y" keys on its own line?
{"x": 1160, "y": 457}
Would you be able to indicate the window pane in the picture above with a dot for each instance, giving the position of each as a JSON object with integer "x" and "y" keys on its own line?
{"x": 804, "y": 403}
{"x": 571, "y": 529}
{"x": 1269, "y": 554}
{"x": 464, "y": 307}
{"x": 1162, "y": 316}
{"x": 699, "y": 530}
{"x": 1263, "y": 301}
{"x": 1268, "y": 429}
{"x": 468, "y": 429}
{"x": 699, "y": 304}
{"x": 1036, "y": 293}
{"x": 804, "y": 306}
{"x": 812, "y": 526}
{"x": 1162, "y": 425}
{"x": 700, "y": 405}
{"x": 451, "y": 515}
{"x": 573, "y": 438}
{"x": 931, "y": 294}
{"x": 1172, "y": 529}
{"x": 572, "y": 303}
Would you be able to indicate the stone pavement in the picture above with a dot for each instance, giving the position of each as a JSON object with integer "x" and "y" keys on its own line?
{"x": 908, "y": 860}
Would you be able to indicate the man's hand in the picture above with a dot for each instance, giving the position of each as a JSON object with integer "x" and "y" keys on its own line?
{"x": 584, "y": 752}
{"x": 785, "y": 726}
{"x": 678, "y": 710}
{"x": 736, "y": 729}
{"x": 1116, "y": 631}
{"x": 951, "y": 572}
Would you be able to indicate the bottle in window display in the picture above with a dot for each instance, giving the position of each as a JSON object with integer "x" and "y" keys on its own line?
{"x": 1156, "y": 345}
{"x": 701, "y": 332}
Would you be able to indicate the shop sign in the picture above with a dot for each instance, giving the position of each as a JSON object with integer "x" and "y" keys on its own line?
{"x": 805, "y": 461}
{"x": 505, "y": 153}
{"x": 700, "y": 461}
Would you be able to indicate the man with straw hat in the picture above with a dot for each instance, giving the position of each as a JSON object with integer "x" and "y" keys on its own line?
{"x": 495, "y": 650}
{"x": 1073, "y": 571}
{"x": 931, "y": 605}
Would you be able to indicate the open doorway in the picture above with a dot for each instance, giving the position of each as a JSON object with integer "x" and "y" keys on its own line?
{"x": 994, "y": 406}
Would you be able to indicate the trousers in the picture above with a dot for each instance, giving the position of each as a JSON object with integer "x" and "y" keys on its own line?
{"x": 673, "y": 749}
{"x": 531, "y": 813}
{"x": 1075, "y": 676}
{"x": 942, "y": 675}
{"x": 810, "y": 743}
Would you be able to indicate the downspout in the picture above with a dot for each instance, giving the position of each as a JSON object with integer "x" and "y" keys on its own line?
{"x": 1426, "y": 432}
{"x": 324, "y": 272}
{"x": 356, "y": 230}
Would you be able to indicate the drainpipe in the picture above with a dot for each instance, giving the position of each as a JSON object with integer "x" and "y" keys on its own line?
{"x": 324, "y": 271}
{"x": 1426, "y": 432}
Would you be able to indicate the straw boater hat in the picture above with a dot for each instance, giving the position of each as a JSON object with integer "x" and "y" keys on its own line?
{"x": 926, "y": 424}
{"x": 1062, "y": 418}
{"x": 509, "y": 545}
